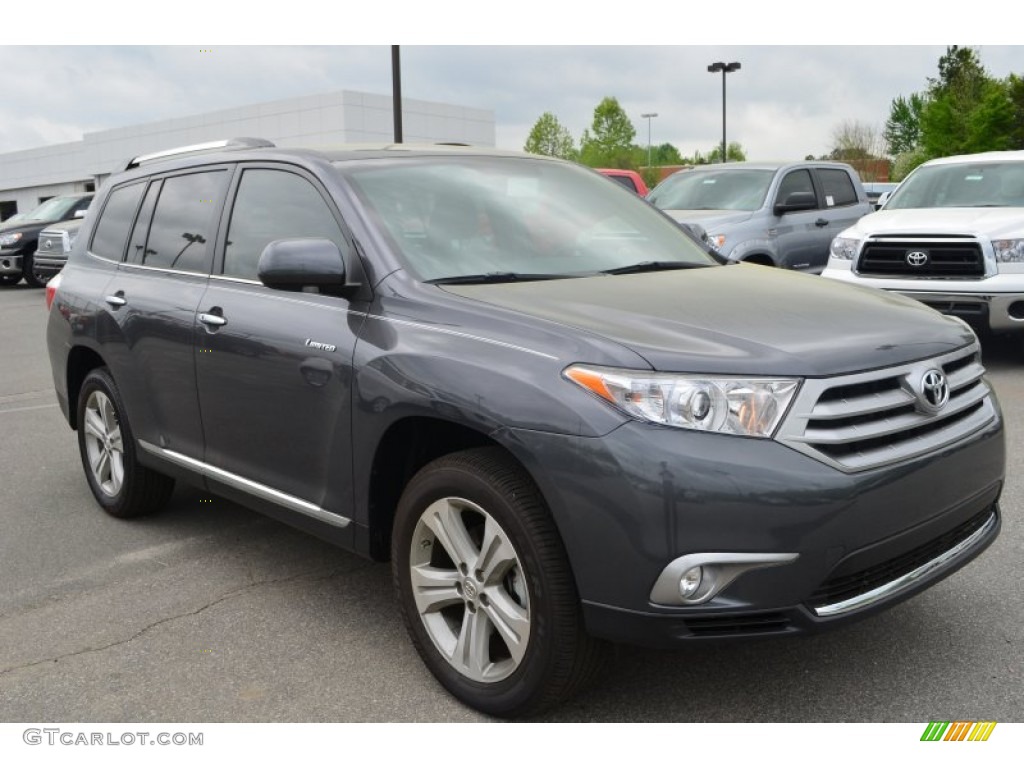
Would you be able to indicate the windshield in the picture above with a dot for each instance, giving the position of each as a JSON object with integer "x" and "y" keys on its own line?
{"x": 713, "y": 190}
{"x": 54, "y": 209}
{"x": 462, "y": 216}
{"x": 964, "y": 185}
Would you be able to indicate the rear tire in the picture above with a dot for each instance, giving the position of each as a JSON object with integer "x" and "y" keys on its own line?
{"x": 485, "y": 587}
{"x": 122, "y": 486}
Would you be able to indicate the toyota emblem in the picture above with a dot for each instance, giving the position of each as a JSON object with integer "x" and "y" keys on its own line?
{"x": 934, "y": 390}
{"x": 48, "y": 244}
{"x": 917, "y": 258}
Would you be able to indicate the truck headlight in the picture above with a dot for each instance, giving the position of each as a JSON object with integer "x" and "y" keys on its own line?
{"x": 10, "y": 239}
{"x": 844, "y": 248}
{"x": 725, "y": 404}
{"x": 1009, "y": 251}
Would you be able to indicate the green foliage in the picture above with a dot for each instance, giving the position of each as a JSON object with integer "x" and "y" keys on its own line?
{"x": 666, "y": 154}
{"x": 609, "y": 141}
{"x": 903, "y": 128}
{"x": 905, "y": 162}
{"x": 734, "y": 154}
{"x": 550, "y": 137}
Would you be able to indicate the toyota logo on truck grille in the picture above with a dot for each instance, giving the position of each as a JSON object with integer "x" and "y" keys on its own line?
{"x": 917, "y": 258}
{"x": 934, "y": 390}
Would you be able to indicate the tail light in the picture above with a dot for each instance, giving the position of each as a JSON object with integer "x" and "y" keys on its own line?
{"x": 51, "y": 289}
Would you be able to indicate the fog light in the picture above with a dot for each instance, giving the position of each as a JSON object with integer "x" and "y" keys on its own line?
{"x": 690, "y": 583}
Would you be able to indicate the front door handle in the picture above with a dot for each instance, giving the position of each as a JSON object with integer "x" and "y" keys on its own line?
{"x": 821, "y": 223}
{"x": 116, "y": 300}
{"x": 212, "y": 320}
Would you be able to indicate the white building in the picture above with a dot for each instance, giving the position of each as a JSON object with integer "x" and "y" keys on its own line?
{"x": 30, "y": 176}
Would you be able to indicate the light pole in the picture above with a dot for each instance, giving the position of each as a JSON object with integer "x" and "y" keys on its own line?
{"x": 721, "y": 66}
{"x": 396, "y": 91}
{"x": 649, "y": 115}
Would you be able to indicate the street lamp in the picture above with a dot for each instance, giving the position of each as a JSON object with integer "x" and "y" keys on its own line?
{"x": 721, "y": 66}
{"x": 649, "y": 115}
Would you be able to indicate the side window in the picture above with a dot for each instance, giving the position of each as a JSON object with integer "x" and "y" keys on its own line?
{"x": 838, "y": 187}
{"x": 140, "y": 231}
{"x": 111, "y": 231}
{"x": 184, "y": 222}
{"x": 273, "y": 205}
{"x": 795, "y": 181}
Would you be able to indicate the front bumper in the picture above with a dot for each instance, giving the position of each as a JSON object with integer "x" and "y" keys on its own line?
{"x": 10, "y": 261}
{"x": 993, "y": 303}
{"x": 48, "y": 264}
{"x": 630, "y": 503}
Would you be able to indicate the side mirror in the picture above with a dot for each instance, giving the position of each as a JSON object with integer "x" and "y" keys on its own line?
{"x": 297, "y": 263}
{"x": 882, "y": 200}
{"x": 80, "y": 214}
{"x": 796, "y": 201}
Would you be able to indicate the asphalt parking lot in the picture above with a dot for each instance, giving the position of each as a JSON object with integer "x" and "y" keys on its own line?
{"x": 212, "y": 613}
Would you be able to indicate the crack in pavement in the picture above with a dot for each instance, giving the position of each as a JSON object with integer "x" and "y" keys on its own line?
{"x": 312, "y": 575}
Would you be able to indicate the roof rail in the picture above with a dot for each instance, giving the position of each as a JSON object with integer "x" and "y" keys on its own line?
{"x": 239, "y": 143}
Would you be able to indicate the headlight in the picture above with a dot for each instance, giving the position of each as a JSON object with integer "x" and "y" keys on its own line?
{"x": 1009, "y": 250}
{"x": 844, "y": 248}
{"x": 726, "y": 404}
{"x": 716, "y": 240}
{"x": 10, "y": 239}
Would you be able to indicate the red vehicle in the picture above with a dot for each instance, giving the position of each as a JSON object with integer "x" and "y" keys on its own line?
{"x": 629, "y": 179}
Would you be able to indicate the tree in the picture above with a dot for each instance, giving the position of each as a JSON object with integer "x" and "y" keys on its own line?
{"x": 666, "y": 154}
{"x": 734, "y": 154}
{"x": 853, "y": 140}
{"x": 609, "y": 141}
{"x": 550, "y": 137}
{"x": 903, "y": 128}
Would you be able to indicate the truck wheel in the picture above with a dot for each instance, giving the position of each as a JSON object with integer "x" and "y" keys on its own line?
{"x": 32, "y": 276}
{"x": 485, "y": 587}
{"x": 122, "y": 486}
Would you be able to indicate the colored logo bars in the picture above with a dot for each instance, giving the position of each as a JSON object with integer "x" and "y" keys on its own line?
{"x": 958, "y": 731}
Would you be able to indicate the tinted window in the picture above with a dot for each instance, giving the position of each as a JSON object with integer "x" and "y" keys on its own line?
{"x": 794, "y": 182}
{"x": 112, "y": 229}
{"x": 625, "y": 181}
{"x": 184, "y": 222}
{"x": 141, "y": 228}
{"x": 838, "y": 187}
{"x": 273, "y": 205}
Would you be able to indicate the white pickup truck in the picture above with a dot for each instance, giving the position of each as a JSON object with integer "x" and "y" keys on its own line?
{"x": 951, "y": 236}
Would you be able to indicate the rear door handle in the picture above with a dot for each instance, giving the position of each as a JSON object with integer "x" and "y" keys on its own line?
{"x": 212, "y": 320}
{"x": 116, "y": 300}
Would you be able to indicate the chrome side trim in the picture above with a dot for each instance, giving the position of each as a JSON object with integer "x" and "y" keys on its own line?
{"x": 720, "y": 570}
{"x": 907, "y": 580}
{"x": 259, "y": 490}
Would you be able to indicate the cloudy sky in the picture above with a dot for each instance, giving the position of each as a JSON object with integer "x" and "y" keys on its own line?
{"x": 785, "y": 102}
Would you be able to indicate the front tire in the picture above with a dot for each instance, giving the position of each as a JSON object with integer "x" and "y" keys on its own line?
{"x": 122, "y": 486}
{"x": 6, "y": 280}
{"x": 32, "y": 276}
{"x": 485, "y": 587}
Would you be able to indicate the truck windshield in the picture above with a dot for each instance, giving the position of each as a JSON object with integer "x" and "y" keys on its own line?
{"x": 717, "y": 189}
{"x": 466, "y": 216}
{"x": 54, "y": 209}
{"x": 962, "y": 185}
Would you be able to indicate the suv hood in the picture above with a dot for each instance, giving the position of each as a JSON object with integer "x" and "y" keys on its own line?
{"x": 709, "y": 219}
{"x": 740, "y": 319}
{"x": 989, "y": 222}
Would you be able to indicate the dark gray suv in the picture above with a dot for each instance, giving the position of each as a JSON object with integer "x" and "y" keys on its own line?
{"x": 559, "y": 417}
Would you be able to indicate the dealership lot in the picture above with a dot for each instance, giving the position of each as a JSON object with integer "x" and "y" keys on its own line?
{"x": 210, "y": 612}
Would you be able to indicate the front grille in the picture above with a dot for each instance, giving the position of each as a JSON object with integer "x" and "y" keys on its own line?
{"x": 843, "y": 587}
{"x": 953, "y": 257}
{"x": 747, "y": 624}
{"x": 867, "y": 420}
{"x": 52, "y": 243}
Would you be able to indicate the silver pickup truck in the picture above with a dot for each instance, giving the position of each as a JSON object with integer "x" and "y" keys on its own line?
{"x": 777, "y": 214}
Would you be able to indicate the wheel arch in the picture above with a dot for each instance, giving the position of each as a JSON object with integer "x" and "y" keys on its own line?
{"x": 81, "y": 360}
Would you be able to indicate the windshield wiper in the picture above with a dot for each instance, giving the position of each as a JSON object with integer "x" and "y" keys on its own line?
{"x": 652, "y": 266}
{"x": 496, "y": 277}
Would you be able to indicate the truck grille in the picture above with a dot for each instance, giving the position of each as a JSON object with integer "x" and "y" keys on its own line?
{"x": 53, "y": 242}
{"x": 867, "y": 420}
{"x": 909, "y": 256}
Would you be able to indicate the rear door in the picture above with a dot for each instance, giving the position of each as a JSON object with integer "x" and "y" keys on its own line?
{"x": 153, "y": 296}
{"x": 274, "y": 367}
